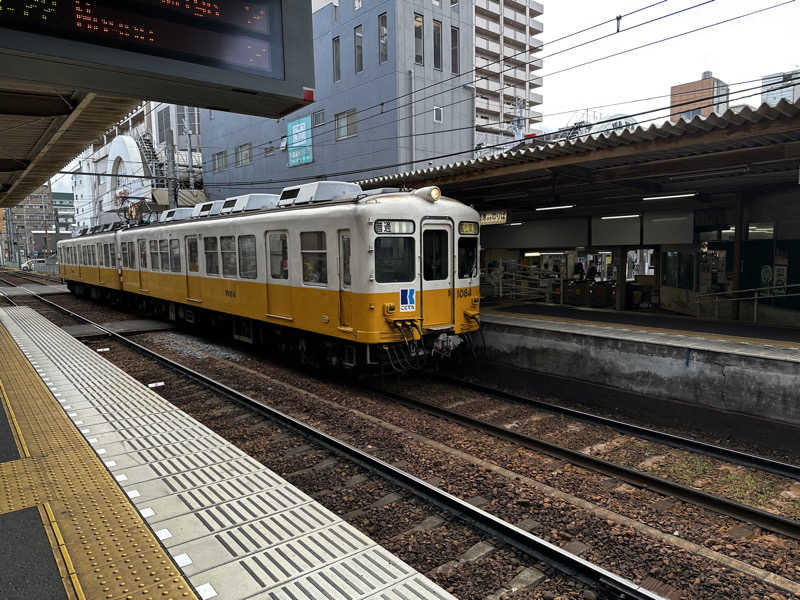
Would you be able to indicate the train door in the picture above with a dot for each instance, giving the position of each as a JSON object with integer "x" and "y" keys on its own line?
{"x": 193, "y": 281}
{"x": 279, "y": 291}
{"x": 345, "y": 293}
{"x": 437, "y": 275}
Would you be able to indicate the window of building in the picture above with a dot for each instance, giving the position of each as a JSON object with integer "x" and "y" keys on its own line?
{"x": 163, "y": 251}
{"x": 383, "y": 38}
{"x": 346, "y": 124}
{"x": 219, "y": 161}
{"x": 194, "y": 120}
{"x": 467, "y": 257}
{"x": 212, "y": 257}
{"x": 419, "y": 39}
{"x": 315, "y": 257}
{"x": 437, "y": 45}
{"x": 438, "y": 114}
{"x": 356, "y": 4}
{"x": 164, "y": 125}
{"x": 142, "y": 253}
{"x": 244, "y": 155}
{"x": 227, "y": 245}
{"x": 192, "y": 255}
{"x": 455, "y": 50}
{"x": 358, "y": 47}
{"x": 394, "y": 259}
{"x": 318, "y": 118}
{"x": 678, "y": 270}
{"x": 154, "y": 260}
{"x": 688, "y": 115}
{"x": 278, "y": 256}
{"x": 248, "y": 262}
{"x": 434, "y": 255}
{"x": 337, "y": 64}
{"x": 175, "y": 256}
{"x": 453, "y": 2}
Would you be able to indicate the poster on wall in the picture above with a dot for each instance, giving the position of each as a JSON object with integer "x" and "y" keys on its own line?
{"x": 299, "y": 131}
{"x": 780, "y": 282}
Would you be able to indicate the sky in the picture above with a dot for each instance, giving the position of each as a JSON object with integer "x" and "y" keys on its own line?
{"x": 738, "y": 51}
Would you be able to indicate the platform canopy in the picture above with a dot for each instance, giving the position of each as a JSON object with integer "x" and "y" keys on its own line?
{"x": 70, "y": 70}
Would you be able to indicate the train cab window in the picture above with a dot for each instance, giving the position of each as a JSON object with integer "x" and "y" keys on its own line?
{"x": 394, "y": 259}
{"x": 192, "y": 255}
{"x": 175, "y": 255}
{"x": 227, "y": 246}
{"x": 315, "y": 257}
{"x": 212, "y": 257}
{"x": 434, "y": 254}
{"x": 154, "y": 259}
{"x": 142, "y": 253}
{"x": 467, "y": 257}
{"x": 248, "y": 262}
{"x": 278, "y": 256}
{"x": 163, "y": 251}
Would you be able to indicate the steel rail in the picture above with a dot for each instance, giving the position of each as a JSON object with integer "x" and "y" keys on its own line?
{"x": 788, "y": 470}
{"x": 612, "y": 585}
{"x": 719, "y": 504}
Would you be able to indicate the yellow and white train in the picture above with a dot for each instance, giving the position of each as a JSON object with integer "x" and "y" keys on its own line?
{"x": 384, "y": 277}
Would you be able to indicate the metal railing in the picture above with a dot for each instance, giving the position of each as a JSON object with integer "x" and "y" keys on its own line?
{"x": 522, "y": 286}
{"x": 758, "y": 294}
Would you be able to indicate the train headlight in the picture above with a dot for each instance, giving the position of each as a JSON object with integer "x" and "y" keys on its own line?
{"x": 431, "y": 193}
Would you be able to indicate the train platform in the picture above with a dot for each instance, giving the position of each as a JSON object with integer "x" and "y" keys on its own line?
{"x": 33, "y": 288}
{"x": 108, "y": 491}
{"x": 730, "y": 368}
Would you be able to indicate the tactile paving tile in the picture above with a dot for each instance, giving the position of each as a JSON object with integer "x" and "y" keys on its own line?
{"x": 236, "y": 529}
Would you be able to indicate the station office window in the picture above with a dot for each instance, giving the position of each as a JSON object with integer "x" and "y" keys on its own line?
{"x": 315, "y": 257}
{"x": 419, "y": 39}
{"x": 248, "y": 263}
{"x": 437, "y": 45}
{"x": 346, "y": 124}
{"x": 227, "y": 246}
{"x": 212, "y": 258}
{"x": 244, "y": 155}
{"x": 383, "y": 38}
{"x": 336, "y": 53}
{"x": 358, "y": 47}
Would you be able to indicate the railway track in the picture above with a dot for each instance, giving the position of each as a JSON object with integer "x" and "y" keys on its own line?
{"x": 569, "y": 566}
{"x": 29, "y": 277}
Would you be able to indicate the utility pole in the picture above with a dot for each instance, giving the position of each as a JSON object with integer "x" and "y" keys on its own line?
{"x": 172, "y": 180}
{"x": 187, "y": 131}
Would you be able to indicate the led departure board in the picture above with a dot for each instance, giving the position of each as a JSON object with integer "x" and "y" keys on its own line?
{"x": 234, "y": 34}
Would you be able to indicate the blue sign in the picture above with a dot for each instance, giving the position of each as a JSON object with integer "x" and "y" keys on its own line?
{"x": 299, "y": 145}
{"x": 408, "y": 300}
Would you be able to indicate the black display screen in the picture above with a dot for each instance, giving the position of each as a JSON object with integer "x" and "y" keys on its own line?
{"x": 236, "y": 34}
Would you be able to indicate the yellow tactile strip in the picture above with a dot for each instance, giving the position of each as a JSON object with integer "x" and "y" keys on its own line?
{"x": 113, "y": 552}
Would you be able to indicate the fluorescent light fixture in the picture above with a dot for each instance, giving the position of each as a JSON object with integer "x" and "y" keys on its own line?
{"x": 531, "y": 254}
{"x": 670, "y": 219}
{"x": 563, "y": 207}
{"x": 619, "y": 217}
{"x": 671, "y": 196}
{"x": 553, "y": 253}
{"x": 514, "y": 224}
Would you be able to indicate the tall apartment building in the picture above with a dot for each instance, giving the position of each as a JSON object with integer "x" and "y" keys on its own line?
{"x": 137, "y": 145}
{"x": 394, "y": 89}
{"x": 701, "y": 98}
{"x": 505, "y": 69}
{"x": 780, "y": 86}
{"x": 37, "y": 223}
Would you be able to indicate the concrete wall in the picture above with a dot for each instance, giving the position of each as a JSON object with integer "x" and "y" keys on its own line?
{"x": 729, "y": 383}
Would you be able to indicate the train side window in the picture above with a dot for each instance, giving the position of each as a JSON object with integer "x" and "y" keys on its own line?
{"x": 192, "y": 256}
{"x": 394, "y": 259}
{"x": 315, "y": 257}
{"x": 131, "y": 255}
{"x": 142, "y": 253}
{"x": 154, "y": 260}
{"x": 248, "y": 262}
{"x": 107, "y": 254}
{"x": 175, "y": 255}
{"x": 227, "y": 246}
{"x": 100, "y": 255}
{"x": 113, "y": 254}
{"x": 467, "y": 257}
{"x": 434, "y": 254}
{"x": 123, "y": 255}
{"x": 212, "y": 257}
{"x": 163, "y": 251}
{"x": 278, "y": 256}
